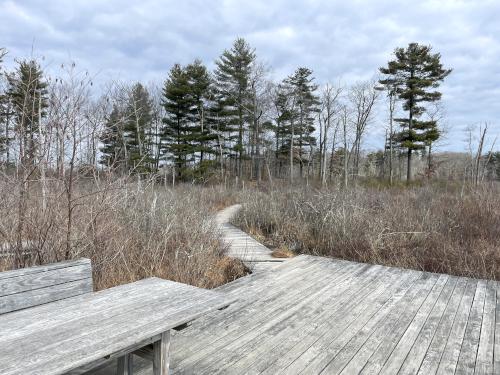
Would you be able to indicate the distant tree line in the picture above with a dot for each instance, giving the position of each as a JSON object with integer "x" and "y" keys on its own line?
{"x": 232, "y": 122}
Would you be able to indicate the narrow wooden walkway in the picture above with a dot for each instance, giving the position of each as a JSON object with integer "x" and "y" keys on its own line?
{"x": 314, "y": 315}
{"x": 241, "y": 245}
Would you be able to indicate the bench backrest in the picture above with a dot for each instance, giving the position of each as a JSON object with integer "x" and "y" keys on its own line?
{"x": 28, "y": 287}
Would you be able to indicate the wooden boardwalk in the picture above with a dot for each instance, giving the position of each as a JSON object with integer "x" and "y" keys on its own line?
{"x": 314, "y": 315}
{"x": 241, "y": 245}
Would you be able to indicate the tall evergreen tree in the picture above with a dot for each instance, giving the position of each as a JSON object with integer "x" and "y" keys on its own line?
{"x": 302, "y": 112}
{"x": 202, "y": 137}
{"x": 28, "y": 95}
{"x": 280, "y": 103}
{"x": 138, "y": 121}
{"x": 6, "y": 114}
{"x": 177, "y": 104}
{"x": 189, "y": 135}
{"x": 492, "y": 160}
{"x": 285, "y": 115}
{"x": 112, "y": 139}
{"x": 415, "y": 74}
{"x": 232, "y": 79}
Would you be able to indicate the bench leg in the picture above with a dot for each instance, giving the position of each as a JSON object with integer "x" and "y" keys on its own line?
{"x": 125, "y": 365}
{"x": 161, "y": 354}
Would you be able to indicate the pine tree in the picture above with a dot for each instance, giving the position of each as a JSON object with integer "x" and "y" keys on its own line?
{"x": 3, "y": 139}
{"x": 138, "y": 121}
{"x": 493, "y": 165}
{"x": 28, "y": 95}
{"x": 202, "y": 137}
{"x": 232, "y": 79}
{"x": 6, "y": 134}
{"x": 177, "y": 104}
{"x": 415, "y": 74}
{"x": 302, "y": 112}
{"x": 112, "y": 139}
{"x": 285, "y": 113}
{"x": 5, "y": 114}
{"x": 189, "y": 135}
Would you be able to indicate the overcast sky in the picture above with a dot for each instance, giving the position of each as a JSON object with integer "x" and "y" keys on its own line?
{"x": 338, "y": 40}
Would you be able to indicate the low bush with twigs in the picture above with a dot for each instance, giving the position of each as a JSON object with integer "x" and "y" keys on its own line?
{"x": 129, "y": 231}
{"x": 437, "y": 228}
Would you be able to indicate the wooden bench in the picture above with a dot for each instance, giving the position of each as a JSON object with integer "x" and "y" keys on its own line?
{"x": 29, "y": 287}
{"x": 51, "y": 322}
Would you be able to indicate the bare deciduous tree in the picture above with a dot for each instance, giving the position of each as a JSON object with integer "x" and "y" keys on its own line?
{"x": 362, "y": 97}
{"x": 329, "y": 109}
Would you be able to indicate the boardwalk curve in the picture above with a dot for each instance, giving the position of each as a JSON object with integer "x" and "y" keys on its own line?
{"x": 241, "y": 245}
{"x": 316, "y": 315}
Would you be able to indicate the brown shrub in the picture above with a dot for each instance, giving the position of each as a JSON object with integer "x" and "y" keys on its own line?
{"x": 129, "y": 231}
{"x": 282, "y": 252}
{"x": 432, "y": 228}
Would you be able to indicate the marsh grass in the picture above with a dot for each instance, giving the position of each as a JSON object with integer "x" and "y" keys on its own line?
{"x": 434, "y": 227}
{"x": 129, "y": 231}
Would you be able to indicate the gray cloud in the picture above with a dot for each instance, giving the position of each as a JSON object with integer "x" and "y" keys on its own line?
{"x": 339, "y": 40}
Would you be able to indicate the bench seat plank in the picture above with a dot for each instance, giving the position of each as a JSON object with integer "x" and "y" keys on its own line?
{"x": 44, "y": 268}
{"x": 29, "y": 287}
{"x": 64, "y": 335}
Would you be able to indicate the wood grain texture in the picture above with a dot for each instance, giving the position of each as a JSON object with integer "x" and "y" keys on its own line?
{"x": 125, "y": 365}
{"x": 241, "y": 245}
{"x": 28, "y": 287}
{"x": 314, "y": 315}
{"x": 44, "y": 268}
{"x": 70, "y": 333}
{"x": 161, "y": 355}
{"x": 304, "y": 315}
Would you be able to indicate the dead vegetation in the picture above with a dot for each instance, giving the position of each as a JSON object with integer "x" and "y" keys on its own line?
{"x": 437, "y": 228}
{"x": 282, "y": 252}
{"x": 129, "y": 231}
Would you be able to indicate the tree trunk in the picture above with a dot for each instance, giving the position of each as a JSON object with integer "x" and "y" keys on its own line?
{"x": 345, "y": 152}
{"x": 391, "y": 114}
{"x": 41, "y": 156}
{"x": 409, "y": 171}
{"x": 291, "y": 152}
{"x": 7, "y": 126}
{"x": 320, "y": 149}
{"x": 69, "y": 196}
{"x": 240, "y": 138}
{"x": 257, "y": 152}
{"x": 429, "y": 158}
{"x": 301, "y": 130}
{"x": 409, "y": 166}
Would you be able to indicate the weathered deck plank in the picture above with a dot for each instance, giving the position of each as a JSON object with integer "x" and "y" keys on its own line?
{"x": 106, "y": 324}
{"x": 435, "y": 351}
{"x": 254, "y": 320}
{"x": 28, "y": 287}
{"x": 369, "y": 319}
{"x": 468, "y": 352}
{"x": 324, "y": 345}
{"x": 241, "y": 245}
{"x": 281, "y": 331}
{"x": 313, "y": 315}
{"x": 451, "y": 352}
